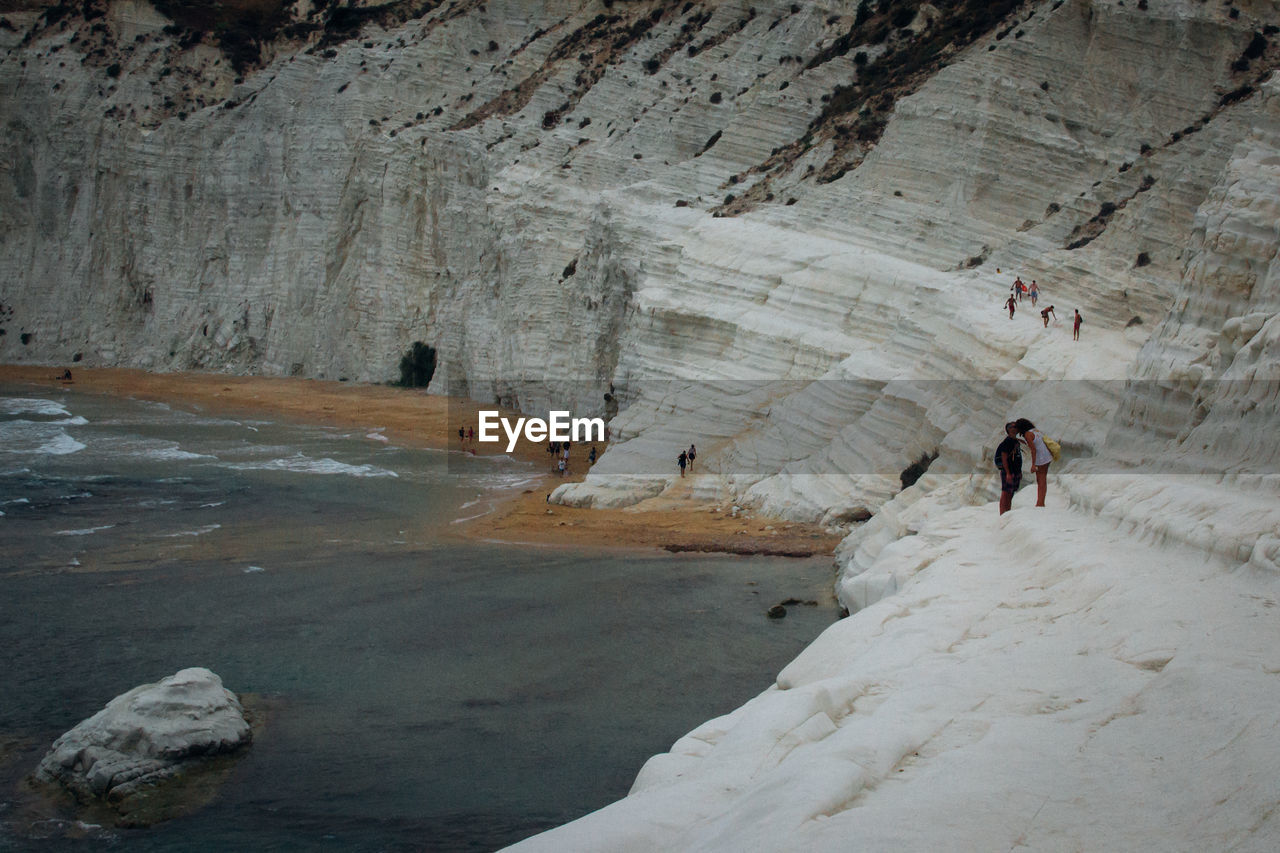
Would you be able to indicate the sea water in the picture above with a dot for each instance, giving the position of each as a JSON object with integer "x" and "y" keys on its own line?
{"x": 415, "y": 692}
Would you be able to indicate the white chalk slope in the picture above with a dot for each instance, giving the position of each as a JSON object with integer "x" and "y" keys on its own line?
{"x": 1044, "y": 680}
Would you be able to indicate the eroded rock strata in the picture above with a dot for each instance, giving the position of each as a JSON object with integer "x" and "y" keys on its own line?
{"x": 543, "y": 193}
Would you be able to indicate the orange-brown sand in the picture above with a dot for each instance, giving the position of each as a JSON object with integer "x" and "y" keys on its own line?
{"x": 413, "y": 418}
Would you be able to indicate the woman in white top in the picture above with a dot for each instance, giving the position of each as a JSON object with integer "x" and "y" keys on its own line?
{"x": 1040, "y": 456}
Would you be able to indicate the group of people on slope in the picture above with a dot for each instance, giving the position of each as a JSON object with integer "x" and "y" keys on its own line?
{"x": 1008, "y": 461}
{"x": 686, "y": 458}
{"x": 1018, "y": 290}
{"x": 559, "y": 451}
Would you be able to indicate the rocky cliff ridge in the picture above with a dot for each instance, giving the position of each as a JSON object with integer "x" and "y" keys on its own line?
{"x": 783, "y": 231}
{"x": 735, "y": 221}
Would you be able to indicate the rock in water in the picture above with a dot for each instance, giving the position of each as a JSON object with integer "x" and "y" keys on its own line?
{"x": 146, "y": 736}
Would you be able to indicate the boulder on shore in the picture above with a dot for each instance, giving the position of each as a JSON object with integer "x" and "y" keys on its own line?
{"x": 146, "y": 736}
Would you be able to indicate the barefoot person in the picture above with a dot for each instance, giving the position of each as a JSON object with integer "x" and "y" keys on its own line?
{"x": 1040, "y": 456}
{"x": 1011, "y": 304}
{"x": 692, "y": 454}
{"x": 1044, "y": 315}
{"x": 1009, "y": 463}
{"x": 1075, "y": 325}
{"x": 682, "y": 460}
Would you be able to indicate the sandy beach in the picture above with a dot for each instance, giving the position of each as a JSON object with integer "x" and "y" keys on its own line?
{"x": 414, "y": 418}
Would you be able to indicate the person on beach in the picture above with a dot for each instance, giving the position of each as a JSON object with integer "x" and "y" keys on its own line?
{"x": 564, "y": 466}
{"x": 693, "y": 454}
{"x": 682, "y": 460}
{"x": 1011, "y": 304}
{"x": 1033, "y": 292}
{"x": 462, "y": 436}
{"x": 1075, "y": 325}
{"x": 1040, "y": 456}
{"x": 591, "y": 457}
{"x": 1009, "y": 463}
{"x": 1044, "y": 315}
{"x": 471, "y": 434}
{"x": 1017, "y": 288}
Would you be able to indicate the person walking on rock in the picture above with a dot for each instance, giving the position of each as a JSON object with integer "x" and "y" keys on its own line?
{"x": 1040, "y": 456}
{"x": 1034, "y": 292}
{"x": 1075, "y": 325}
{"x": 1009, "y": 463}
{"x": 1044, "y": 315}
{"x": 693, "y": 454}
{"x": 1011, "y": 304}
{"x": 682, "y": 461}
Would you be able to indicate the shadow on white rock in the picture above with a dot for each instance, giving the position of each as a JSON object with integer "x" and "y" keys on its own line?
{"x": 153, "y": 753}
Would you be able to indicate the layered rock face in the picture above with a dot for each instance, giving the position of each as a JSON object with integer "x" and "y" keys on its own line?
{"x": 541, "y": 191}
{"x": 537, "y": 191}
{"x": 145, "y": 736}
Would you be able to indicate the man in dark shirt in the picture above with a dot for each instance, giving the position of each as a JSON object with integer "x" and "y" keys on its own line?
{"x": 1009, "y": 463}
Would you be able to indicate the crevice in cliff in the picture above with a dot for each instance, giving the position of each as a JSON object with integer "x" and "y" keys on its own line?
{"x": 902, "y": 46}
{"x": 595, "y": 45}
{"x": 1083, "y": 235}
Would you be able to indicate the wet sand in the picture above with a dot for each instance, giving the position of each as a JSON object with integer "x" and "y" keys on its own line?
{"x": 414, "y": 418}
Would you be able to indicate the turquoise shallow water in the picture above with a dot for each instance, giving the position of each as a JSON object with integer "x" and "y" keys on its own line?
{"x": 418, "y": 694}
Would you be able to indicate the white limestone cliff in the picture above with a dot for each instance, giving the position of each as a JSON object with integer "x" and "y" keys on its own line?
{"x": 522, "y": 188}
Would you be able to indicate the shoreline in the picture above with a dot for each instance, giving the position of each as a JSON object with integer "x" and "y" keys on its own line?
{"x": 413, "y": 418}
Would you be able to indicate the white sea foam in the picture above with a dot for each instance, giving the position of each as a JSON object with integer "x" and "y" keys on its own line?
{"x": 175, "y": 454}
{"x": 377, "y": 436}
{"x": 15, "y": 501}
{"x": 31, "y": 406}
{"x": 473, "y": 517}
{"x": 303, "y": 464}
{"x": 254, "y": 569}
{"x": 45, "y": 438}
{"x": 151, "y": 450}
{"x": 86, "y": 531}
{"x": 60, "y": 445}
{"x": 508, "y": 481}
{"x": 199, "y": 531}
